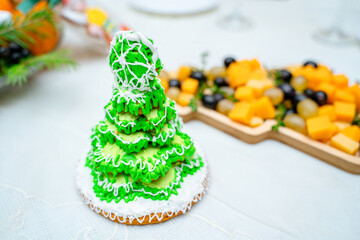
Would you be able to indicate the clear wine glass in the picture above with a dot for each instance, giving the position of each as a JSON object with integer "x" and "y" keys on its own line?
{"x": 235, "y": 20}
{"x": 335, "y": 34}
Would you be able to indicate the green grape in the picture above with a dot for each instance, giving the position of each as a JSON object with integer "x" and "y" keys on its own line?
{"x": 224, "y": 106}
{"x": 275, "y": 95}
{"x": 295, "y": 122}
{"x": 299, "y": 83}
{"x": 216, "y": 72}
{"x": 307, "y": 108}
{"x": 228, "y": 91}
{"x": 173, "y": 93}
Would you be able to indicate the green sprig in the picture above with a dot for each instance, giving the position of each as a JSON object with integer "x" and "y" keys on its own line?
{"x": 356, "y": 120}
{"x": 281, "y": 112}
{"x": 18, "y": 74}
{"x": 18, "y": 29}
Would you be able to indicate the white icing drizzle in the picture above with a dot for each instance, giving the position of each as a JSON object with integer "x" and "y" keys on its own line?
{"x": 126, "y": 86}
{"x": 133, "y": 123}
{"x": 169, "y": 134}
{"x": 151, "y": 167}
{"x": 129, "y": 187}
{"x": 192, "y": 190}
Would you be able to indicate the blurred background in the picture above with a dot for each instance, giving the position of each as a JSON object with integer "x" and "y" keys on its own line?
{"x": 281, "y": 32}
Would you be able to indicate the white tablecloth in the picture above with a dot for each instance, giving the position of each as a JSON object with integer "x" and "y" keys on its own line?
{"x": 262, "y": 191}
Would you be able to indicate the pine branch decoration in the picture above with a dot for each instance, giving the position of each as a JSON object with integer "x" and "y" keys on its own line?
{"x": 17, "y": 74}
{"x": 18, "y": 29}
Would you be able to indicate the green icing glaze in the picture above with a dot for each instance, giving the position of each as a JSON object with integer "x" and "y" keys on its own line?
{"x": 160, "y": 189}
{"x": 105, "y": 132}
{"x": 146, "y": 165}
{"x": 154, "y": 121}
{"x": 133, "y": 52}
{"x": 148, "y": 100}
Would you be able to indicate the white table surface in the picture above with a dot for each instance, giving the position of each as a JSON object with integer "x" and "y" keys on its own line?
{"x": 262, "y": 191}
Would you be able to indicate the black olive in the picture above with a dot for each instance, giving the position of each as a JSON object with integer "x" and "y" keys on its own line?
{"x": 4, "y": 52}
{"x": 174, "y": 83}
{"x": 14, "y": 47}
{"x": 25, "y": 53}
{"x": 220, "y": 82}
{"x": 311, "y": 63}
{"x": 309, "y": 93}
{"x": 15, "y": 57}
{"x": 285, "y": 75}
{"x": 228, "y": 61}
{"x": 320, "y": 98}
{"x": 209, "y": 101}
{"x": 198, "y": 76}
{"x": 288, "y": 90}
{"x": 218, "y": 97}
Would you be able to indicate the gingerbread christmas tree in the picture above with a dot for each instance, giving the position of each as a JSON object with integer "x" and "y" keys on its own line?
{"x": 141, "y": 167}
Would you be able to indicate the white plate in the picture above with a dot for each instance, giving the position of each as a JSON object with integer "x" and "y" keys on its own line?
{"x": 174, "y": 7}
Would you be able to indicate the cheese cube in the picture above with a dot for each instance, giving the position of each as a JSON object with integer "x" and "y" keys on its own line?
{"x": 327, "y": 110}
{"x": 352, "y": 132}
{"x": 184, "y": 72}
{"x": 344, "y": 95}
{"x": 184, "y": 99}
{"x": 344, "y": 143}
{"x": 244, "y": 93}
{"x": 190, "y": 86}
{"x": 263, "y": 108}
{"x": 356, "y": 92}
{"x": 340, "y": 80}
{"x": 242, "y": 112}
{"x": 335, "y": 129}
{"x": 164, "y": 84}
{"x": 238, "y": 73}
{"x": 258, "y": 86}
{"x": 320, "y": 128}
{"x": 344, "y": 111}
{"x": 329, "y": 89}
{"x": 256, "y": 121}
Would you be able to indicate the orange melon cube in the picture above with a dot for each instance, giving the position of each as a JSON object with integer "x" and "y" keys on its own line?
{"x": 344, "y": 143}
{"x": 256, "y": 121}
{"x": 327, "y": 110}
{"x": 184, "y": 99}
{"x": 352, "y": 132}
{"x": 164, "y": 83}
{"x": 340, "y": 80}
{"x": 263, "y": 108}
{"x": 329, "y": 89}
{"x": 244, "y": 93}
{"x": 345, "y": 111}
{"x": 344, "y": 95}
{"x": 183, "y": 73}
{"x": 320, "y": 128}
{"x": 242, "y": 112}
{"x": 190, "y": 86}
{"x": 355, "y": 90}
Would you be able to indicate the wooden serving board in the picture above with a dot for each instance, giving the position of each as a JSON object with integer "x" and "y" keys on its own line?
{"x": 288, "y": 136}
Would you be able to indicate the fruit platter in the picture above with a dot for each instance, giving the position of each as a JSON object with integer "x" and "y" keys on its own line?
{"x": 306, "y": 106}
